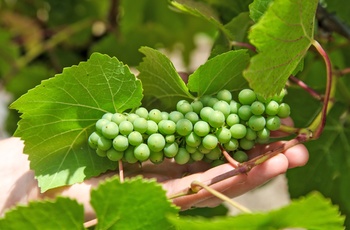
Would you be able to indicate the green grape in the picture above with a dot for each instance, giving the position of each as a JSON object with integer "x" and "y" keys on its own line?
{"x": 231, "y": 145}
{"x": 240, "y": 156}
{"x": 170, "y": 149}
{"x": 224, "y": 95}
{"x": 192, "y": 117}
{"x": 155, "y": 115}
{"x": 110, "y": 130}
{"x": 126, "y": 127}
{"x": 262, "y": 99}
{"x": 175, "y": 116}
{"x": 214, "y": 154}
{"x": 184, "y": 107}
{"x": 191, "y": 149}
{"x": 271, "y": 108}
{"x": 212, "y": 102}
{"x": 223, "y": 107}
{"x": 273, "y": 123}
{"x": 217, "y": 163}
{"x": 246, "y": 144}
{"x": 182, "y": 157}
{"x": 104, "y": 143}
{"x": 120, "y": 143}
{"x": 129, "y": 155}
{"x": 193, "y": 140}
{"x": 203, "y": 149}
{"x": 244, "y": 112}
{"x": 152, "y": 127}
{"x": 210, "y": 141}
{"x": 100, "y": 124}
{"x": 167, "y": 127}
{"x": 156, "y": 157}
{"x": 216, "y": 119}
{"x": 93, "y": 139}
{"x": 197, "y": 156}
{"x": 197, "y": 106}
{"x": 107, "y": 116}
{"x": 156, "y": 142}
{"x": 234, "y": 106}
{"x": 238, "y": 131}
{"x": 263, "y": 134}
{"x": 114, "y": 155}
{"x": 232, "y": 119}
{"x": 283, "y": 110}
{"x": 251, "y": 134}
{"x": 165, "y": 115}
{"x": 142, "y": 112}
{"x": 257, "y": 108}
{"x": 205, "y": 99}
{"x": 118, "y": 118}
{"x": 135, "y": 138}
{"x": 184, "y": 127}
{"x": 257, "y": 122}
{"x": 223, "y": 134}
{"x": 246, "y": 96}
{"x": 140, "y": 124}
{"x": 142, "y": 152}
{"x": 205, "y": 113}
{"x": 201, "y": 128}
{"x": 279, "y": 97}
{"x": 170, "y": 138}
{"x": 131, "y": 117}
{"x": 101, "y": 153}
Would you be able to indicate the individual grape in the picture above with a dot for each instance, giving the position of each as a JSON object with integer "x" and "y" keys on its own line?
{"x": 100, "y": 124}
{"x": 232, "y": 145}
{"x": 234, "y": 106}
{"x": 263, "y": 134}
{"x": 223, "y": 134}
{"x": 156, "y": 142}
{"x": 126, "y": 127}
{"x": 118, "y": 118}
{"x": 216, "y": 119}
{"x": 205, "y": 99}
{"x": 273, "y": 123}
{"x": 120, "y": 143}
{"x": 104, "y": 143}
{"x": 223, "y": 107}
{"x": 152, "y": 127}
{"x": 135, "y": 138}
{"x": 214, "y": 154}
{"x": 170, "y": 138}
{"x": 205, "y": 113}
{"x": 142, "y": 152}
{"x": 246, "y": 96}
{"x": 197, "y": 106}
{"x": 110, "y": 130}
{"x": 175, "y": 116}
{"x": 131, "y": 117}
{"x": 114, "y": 155}
{"x": 184, "y": 107}
{"x": 184, "y": 127}
{"x": 203, "y": 149}
{"x": 182, "y": 156}
{"x": 238, "y": 131}
{"x": 142, "y": 112}
{"x": 251, "y": 134}
{"x": 140, "y": 124}
{"x": 193, "y": 140}
{"x": 167, "y": 127}
{"x": 156, "y": 157}
{"x": 240, "y": 156}
{"x": 257, "y": 108}
{"x": 93, "y": 139}
{"x": 271, "y": 108}
{"x": 191, "y": 149}
{"x": 257, "y": 122}
{"x": 197, "y": 156}
{"x": 165, "y": 115}
{"x": 244, "y": 112}
{"x": 246, "y": 144}
{"x": 210, "y": 141}
{"x": 101, "y": 153}
{"x": 107, "y": 116}
{"x": 212, "y": 102}
{"x": 201, "y": 128}
{"x": 279, "y": 97}
{"x": 283, "y": 110}
{"x": 129, "y": 155}
{"x": 217, "y": 163}
{"x": 155, "y": 115}
{"x": 232, "y": 119}
{"x": 224, "y": 95}
{"x": 192, "y": 117}
{"x": 170, "y": 149}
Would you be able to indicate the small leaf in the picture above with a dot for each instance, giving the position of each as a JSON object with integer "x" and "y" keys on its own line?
{"x": 282, "y": 37}
{"x": 224, "y": 71}
{"x": 59, "y": 115}
{"x": 258, "y": 8}
{"x": 62, "y": 213}
{"x": 134, "y": 204}
{"x": 162, "y": 85}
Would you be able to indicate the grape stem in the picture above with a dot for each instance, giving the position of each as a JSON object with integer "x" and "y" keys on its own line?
{"x": 304, "y": 86}
{"x": 121, "y": 171}
{"x": 90, "y": 223}
{"x": 230, "y": 160}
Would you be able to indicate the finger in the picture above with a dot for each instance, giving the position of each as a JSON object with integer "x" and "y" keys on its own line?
{"x": 297, "y": 156}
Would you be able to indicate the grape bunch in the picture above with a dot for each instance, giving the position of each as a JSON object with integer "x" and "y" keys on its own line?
{"x": 193, "y": 131}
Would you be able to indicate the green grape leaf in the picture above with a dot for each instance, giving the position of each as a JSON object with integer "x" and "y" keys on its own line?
{"x": 59, "y": 115}
{"x": 311, "y": 212}
{"x": 162, "y": 85}
{"x": 133, "y": 204}
{"x": 258, "y": 8}
{"x": 282, "y": 37}
{"x": 224, "y": 71}
{"x": 62, "y": 213}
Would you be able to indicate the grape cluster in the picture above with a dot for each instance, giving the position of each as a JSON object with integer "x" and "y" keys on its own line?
{"x": 193, "y": 131}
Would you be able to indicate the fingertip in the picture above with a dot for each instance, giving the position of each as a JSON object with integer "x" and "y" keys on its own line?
{"x": 297, "y": 156}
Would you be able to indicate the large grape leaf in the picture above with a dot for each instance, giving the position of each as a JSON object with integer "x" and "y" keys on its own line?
{"x": 163, "y": 87}
{"x": 258, "y": 8}
{"x": 282, "y": 37}
{"x": 59, "y": 115}
{"x": 311, "y": 212}
{"x": 224, "y": 71}
{"x": 134, "y": 204}
{"x": 62, "y": 213}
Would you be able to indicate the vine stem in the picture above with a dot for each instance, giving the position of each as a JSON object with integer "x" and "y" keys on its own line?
{"x": 90, "y": 223}
{"x": 304, "y": 86}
